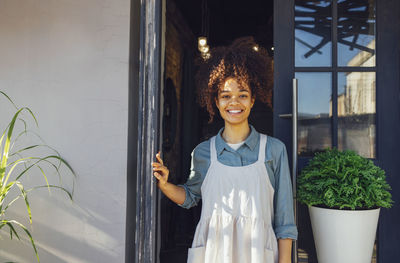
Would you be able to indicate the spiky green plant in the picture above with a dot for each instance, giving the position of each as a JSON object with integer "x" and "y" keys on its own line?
{"x": 12, "y": 178}
{"x": 343, "y": 180}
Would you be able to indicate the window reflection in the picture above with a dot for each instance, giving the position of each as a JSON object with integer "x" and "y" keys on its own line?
{"x": 356, "y": 33}
{"x": 356, "y": 112}
{"x": 313, "y": 33}
{"x": 314, "y": 121}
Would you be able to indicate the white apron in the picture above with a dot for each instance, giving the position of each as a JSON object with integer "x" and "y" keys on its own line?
{"x": 236, "y": 217}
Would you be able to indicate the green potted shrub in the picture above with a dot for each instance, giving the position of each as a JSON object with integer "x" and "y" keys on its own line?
{"x": 16, "y": 162}
{"x": 344, "y": 193}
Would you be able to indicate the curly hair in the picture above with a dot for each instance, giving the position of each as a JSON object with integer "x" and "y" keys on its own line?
{"x": 243, "y": 60}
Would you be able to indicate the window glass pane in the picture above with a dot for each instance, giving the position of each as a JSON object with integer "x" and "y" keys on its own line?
{"x": 356, "y": 112}
{"x": 314, "y": 112}
{"x": 356, "y": 33}
{"x": 313, "y": 33}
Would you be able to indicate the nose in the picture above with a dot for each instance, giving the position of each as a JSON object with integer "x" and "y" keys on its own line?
{"x": 234, "y": 100}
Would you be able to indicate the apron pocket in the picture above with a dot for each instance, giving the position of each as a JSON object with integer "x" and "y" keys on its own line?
{"x": 269, "y": 256}
{"x": 196, "y": 255}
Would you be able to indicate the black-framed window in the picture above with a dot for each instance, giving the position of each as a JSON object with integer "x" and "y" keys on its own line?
{"x": 335, "y": 62}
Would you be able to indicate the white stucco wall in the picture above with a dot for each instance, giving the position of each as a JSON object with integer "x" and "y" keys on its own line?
{"x": 68, "y": 61}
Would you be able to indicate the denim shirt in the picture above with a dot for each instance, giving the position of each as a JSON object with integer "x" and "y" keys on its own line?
{"x": 276, "y": 162}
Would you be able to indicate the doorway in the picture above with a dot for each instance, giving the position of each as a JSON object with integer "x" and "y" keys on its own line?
{"x": 185, "y": 124}
{"x": 146, "y": 242}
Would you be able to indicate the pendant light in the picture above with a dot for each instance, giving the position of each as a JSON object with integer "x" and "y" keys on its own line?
{"x": 202, "y": 44}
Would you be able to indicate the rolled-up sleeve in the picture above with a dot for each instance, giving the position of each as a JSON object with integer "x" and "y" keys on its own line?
{"x": 284, "y": 223}
{"x": 199, "y": 166}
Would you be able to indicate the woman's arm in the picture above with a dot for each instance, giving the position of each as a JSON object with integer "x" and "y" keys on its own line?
{"x": 285, "y": 250}
{"x": 176, "y": 193}
{"x": 284, "y": 223}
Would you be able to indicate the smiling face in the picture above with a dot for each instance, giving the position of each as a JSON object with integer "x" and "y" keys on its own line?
{"x": 234, "y": 102}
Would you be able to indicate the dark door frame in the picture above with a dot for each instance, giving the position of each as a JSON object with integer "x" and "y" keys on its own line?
{"x": 283, "y": 75}
{"x": 143, "y": 130}
{"x": 387, "y": 104}
{"x": 388, "y": 122}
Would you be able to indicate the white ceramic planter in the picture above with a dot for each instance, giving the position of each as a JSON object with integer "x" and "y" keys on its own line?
{"x": 343, "y": 236}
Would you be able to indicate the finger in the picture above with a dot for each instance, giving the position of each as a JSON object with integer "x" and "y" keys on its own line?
{"x": 157, "y": 175}
{"x": 156, "y": 164}
{"x": 158, "y": 156}
{"x": 162, "y": 169}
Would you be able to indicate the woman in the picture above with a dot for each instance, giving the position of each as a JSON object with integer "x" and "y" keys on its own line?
{"x": 241, "y": 176}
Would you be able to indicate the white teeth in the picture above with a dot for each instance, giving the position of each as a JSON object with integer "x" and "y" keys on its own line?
{"x": 234, "y": 111}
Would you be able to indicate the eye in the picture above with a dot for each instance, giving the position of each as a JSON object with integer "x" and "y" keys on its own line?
{"x": 225, "y": 96}
{"x": 243, "y": 96}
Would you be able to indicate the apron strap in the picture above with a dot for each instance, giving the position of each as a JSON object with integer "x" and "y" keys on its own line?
{"x": 261, "y": 151}
{"x": 213, "y": 150}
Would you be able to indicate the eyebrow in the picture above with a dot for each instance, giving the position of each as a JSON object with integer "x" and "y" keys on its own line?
{"x": 224, "y": 91}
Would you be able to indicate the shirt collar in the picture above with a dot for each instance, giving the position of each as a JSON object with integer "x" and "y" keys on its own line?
{"x": 251, "y": 141}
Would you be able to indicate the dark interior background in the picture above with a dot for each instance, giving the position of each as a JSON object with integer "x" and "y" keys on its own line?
{"x": 230, "y": 19}
{"x": 185, "y": 124}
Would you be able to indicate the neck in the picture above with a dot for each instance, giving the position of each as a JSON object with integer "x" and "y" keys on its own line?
{"x": 236, "y": 133}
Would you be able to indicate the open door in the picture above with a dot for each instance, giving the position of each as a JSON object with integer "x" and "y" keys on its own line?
{"x": 342, "y": 54}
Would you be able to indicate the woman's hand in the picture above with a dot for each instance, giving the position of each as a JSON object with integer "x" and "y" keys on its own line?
{"x": 176, "y": 193}
{"x": 160, "y": 171}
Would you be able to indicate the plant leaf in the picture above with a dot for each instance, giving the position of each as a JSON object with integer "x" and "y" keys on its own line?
{"x": 23, "y": 193}
{"x": 343, "y": 180}
{"x": 9, "y": 99}
{"x": 28, "y": 234}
